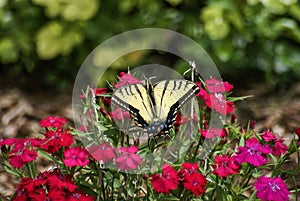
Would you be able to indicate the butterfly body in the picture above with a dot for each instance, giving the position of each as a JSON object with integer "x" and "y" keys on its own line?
{"x": 154, "y": 107}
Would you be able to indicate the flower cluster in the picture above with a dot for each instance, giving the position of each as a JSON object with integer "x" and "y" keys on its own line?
{"x": 125, "y": 158}
{"x": 214, "y": 95}
{"x": 50, "y": 185}
{"x": 188, "y": 175}
{"x": 231, "y": 169}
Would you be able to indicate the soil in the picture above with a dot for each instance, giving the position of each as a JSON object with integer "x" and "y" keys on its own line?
{"x": 23, "y": 105}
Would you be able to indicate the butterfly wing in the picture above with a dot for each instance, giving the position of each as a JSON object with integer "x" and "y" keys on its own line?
{"x": 170, "y": 95}
{"x": 135, "y": 100}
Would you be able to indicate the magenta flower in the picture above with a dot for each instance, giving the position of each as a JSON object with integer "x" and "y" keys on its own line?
{"x": 76, "y": 156}
{"x": 271, "y": 189}
{"x": 268, "y": 136}
{"x": 126, "y": 79}
{"x": 128, "y": 160}
{"x": 51, "y": 121}
{"x": 279, "y": 148}
{"x": 253, "y": 153}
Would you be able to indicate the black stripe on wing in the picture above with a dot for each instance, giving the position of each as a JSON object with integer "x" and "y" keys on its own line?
{"x": 176, "y": 106}
{"x": 134, "y": 112}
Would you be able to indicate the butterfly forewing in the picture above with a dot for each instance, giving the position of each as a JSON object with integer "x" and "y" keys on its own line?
{"x": 135, "y": 100}
{"x": 170, "y": 95}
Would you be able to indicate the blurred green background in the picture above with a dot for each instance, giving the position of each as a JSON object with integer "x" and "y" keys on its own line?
{"x": 248, "y": 40}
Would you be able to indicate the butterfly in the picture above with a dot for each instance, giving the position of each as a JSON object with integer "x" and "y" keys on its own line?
{"x": 154, "y": 107}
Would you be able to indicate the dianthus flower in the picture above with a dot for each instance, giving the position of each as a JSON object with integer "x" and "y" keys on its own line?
{"x": 166, "y": 181}
{"x": 271, "y": 189}
{"x": 268, "y": 136}
{"x": 103, "y": 152}
{"x": 54, "y": 140}
{"x": 196, "y": 183}
{"x": 128, "y": 160}
{"x": 212, "y": 132}
{"x": 126, "y": 79}
{"x": 75, "y": 156}
{"x": 119, "y": 114}
{"x": 253, "y": 153}
{"x": 225, "y": 166}
{"x": 52, "y": 121}
{"x": 217, "y": 86}
{"x": 279, "y": 148}
{"x": 187, "y": 169}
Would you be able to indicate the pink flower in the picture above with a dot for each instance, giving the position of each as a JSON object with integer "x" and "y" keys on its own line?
{"x": 126, "y": 79}
{"x": 271, "y": 189}
{"x": 225, "y": 166}
{"x": 103, "y": 152}
{"x": 166, "y": 181}
{"x": 128, "y": 160}
{"x": 76, "y": 156}
{"x": 217, "y": 86}
{"x": 215, "y": 101}
{"x": 213, "y": 132}
{"x": 119, "y": 114}
{"x": 196, "y": 183}
{"x": 253, "y": 153}
{"x": 51, "y": 121}
{"x": 268, "y": 136}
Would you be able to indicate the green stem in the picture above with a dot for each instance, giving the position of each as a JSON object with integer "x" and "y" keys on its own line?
{"x": 31, "y": 169}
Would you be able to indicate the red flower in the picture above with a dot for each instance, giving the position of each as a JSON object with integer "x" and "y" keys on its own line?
{"x": 217, "y": 86}
{"x": 279, "y": 148}
{"x": 213, "y": 132}
{"x": 297, "y": 131}
{"x": 56, "y": 194}
{"x": 196, "y": 183}
{"x": 187, "y": 169}
{"x": 81, "y": 196}
{"x": 126, "y": 79}
{"x": 180, "y": 120}
{"x": 225, "y": 166}
{"x": 59, "y": 181}
{"x": 23, "y": 150}
{"x": 76, "y": 156}
{"x": 56, "y": 139}
{"x": 103, "y": 152}
{"x": 51, "y": 121}
{"x": 19, "y": 158}
{"x": 166, "y": 181}
{"x": 128, "y": 159}
{"x": 99, "y": 91}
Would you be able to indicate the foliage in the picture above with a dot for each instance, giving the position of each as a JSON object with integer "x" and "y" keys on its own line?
{"x": 232, "y": 169}
{"x": 54, "y": 37}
